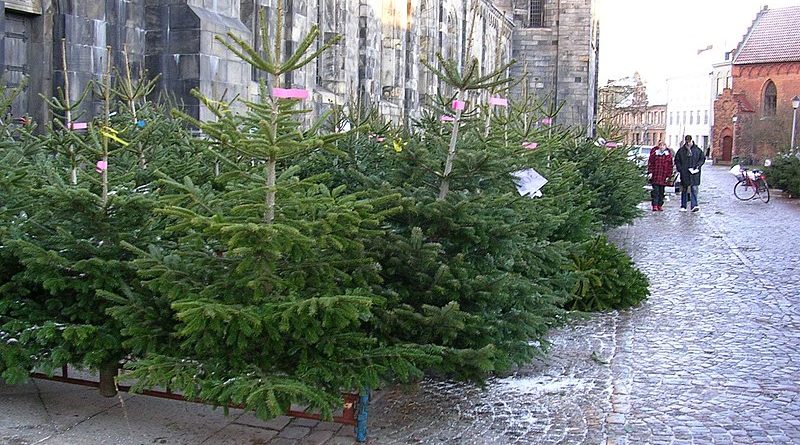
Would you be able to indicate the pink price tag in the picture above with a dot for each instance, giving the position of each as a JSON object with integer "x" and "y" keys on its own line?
{"x": 547, "y": 121}
{"x": 498, "y": 101}
{"x": 458, "y": 105}
{"x": 380, "y": 139}
{"x": 78, "y": 125}
{"x": 101, "y": 166}
{"x": 611, "y": 145}
{"x": 446, "y": 118}
{"x": 530, "y": 145}
{"x": 290, "y": 93}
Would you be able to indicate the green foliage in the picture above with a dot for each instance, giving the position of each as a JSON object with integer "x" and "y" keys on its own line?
{"x": 616, "y": 182}
{"x": 606, "y": 278}
{"x": 784, "y": 173}
{"x": 62, "y": 232}
{"x": 280, "y": 261}
{"x": 264, "y": 274}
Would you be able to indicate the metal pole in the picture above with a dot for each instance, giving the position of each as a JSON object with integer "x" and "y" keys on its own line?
{"x": 794, "y": 126}
{"x": 361, "y": 417}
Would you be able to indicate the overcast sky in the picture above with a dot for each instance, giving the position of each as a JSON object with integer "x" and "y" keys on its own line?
{"x": 660, "y": 38}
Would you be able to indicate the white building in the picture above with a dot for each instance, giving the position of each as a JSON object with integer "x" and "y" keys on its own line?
{"x": 689, "y": 110}
{"x": 721, "y": 78}
{"x": 690, "y": 98}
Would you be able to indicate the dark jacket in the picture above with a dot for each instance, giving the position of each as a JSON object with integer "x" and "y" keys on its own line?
{"x": 687, "y": 158}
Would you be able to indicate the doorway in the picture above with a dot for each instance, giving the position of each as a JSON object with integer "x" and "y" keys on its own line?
{"x": 727, "y": 149}
{"x": 16, "y": 60}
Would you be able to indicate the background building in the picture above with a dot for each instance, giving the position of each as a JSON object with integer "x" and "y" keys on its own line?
{"x": 626, "y": 104}
{"x": 689, "y": 110}
{"x": 765, "y": 73}
{"x": 556, "y": 43}
{"x": 376, "y": 61}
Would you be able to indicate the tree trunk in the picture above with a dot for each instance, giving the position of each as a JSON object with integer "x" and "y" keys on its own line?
{"x": 108, "y": 372}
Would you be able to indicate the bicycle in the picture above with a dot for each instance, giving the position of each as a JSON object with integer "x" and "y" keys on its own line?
{"x": 752, "y": 184}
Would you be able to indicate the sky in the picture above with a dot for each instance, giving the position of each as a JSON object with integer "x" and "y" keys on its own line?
{"x": 660, "y": 38}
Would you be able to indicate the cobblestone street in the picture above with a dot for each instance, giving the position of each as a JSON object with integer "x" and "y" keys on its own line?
{"x": 711, "y": 358}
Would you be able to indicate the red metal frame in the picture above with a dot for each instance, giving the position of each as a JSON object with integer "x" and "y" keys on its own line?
{"x": 348, "y": 416}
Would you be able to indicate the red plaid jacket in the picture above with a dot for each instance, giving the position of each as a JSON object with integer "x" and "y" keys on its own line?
{"x": 660, "y": 166}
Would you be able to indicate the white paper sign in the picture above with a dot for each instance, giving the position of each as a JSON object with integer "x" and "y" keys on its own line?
{"x": 528, "y": 182}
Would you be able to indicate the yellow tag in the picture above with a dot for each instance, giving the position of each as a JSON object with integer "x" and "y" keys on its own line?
{"x": 112, "y": 134}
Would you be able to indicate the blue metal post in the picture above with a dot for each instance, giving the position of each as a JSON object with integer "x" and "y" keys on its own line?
{"x": 361, "y": 417}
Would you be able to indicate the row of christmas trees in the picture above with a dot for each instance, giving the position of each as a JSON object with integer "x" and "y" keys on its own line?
{"x": 276, "y": 261}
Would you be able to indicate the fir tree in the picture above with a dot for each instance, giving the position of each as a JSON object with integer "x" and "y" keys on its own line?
{"x": 265, "y": 271}
{"x": 84, "y": 196}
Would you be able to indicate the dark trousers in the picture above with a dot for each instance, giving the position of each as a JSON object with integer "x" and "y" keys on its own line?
{"x": 657, "y": 195}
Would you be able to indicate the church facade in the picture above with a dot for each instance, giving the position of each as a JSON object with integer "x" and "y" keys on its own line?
{"x": 376, "y": 61}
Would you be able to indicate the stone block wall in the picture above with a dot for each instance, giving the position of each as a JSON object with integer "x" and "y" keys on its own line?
{"x": 376, "y": 62}
{"x": 182, "y": 46}
{"x": 560, "y": 59}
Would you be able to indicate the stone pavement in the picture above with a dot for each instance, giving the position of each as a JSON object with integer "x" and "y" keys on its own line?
{"x": 711, "y": 358}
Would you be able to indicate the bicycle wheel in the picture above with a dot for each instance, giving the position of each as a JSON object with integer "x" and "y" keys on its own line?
{"x": 763, "y": 190}
{"x": 744, "y": 191}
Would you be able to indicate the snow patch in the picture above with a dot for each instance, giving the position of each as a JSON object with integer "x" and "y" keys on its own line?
{"x": 540, "y": 385}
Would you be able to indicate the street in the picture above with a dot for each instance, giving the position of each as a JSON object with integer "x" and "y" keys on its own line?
{"x": 711, "y": 358}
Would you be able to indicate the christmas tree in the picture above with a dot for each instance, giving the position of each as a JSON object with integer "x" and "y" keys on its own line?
{"x": 264, "y": 271}
{"x": 86, "y": 192}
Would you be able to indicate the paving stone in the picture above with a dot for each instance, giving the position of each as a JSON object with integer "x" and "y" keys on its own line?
{"x": 308, "y": 423}
{"x": 294, "y": 432}
{"x": 317, "y": 437}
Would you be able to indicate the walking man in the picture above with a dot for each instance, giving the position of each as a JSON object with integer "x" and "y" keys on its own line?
{"x": 688, "y": 161}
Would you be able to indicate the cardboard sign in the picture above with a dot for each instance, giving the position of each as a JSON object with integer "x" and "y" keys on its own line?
{"x": 529, "y": 182}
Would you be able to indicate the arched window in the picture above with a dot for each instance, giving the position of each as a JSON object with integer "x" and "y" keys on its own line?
{"x": 770, "y": 99}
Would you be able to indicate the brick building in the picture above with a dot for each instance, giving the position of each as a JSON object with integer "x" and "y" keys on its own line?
{"x": 765, "y": 72}
{"x": 376, "y": 61}
{"x": 624, "y": 103}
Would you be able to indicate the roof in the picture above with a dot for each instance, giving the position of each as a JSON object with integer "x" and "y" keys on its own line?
{"x": 773, "y": 37}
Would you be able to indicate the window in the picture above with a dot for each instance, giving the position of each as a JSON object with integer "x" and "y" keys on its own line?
{"x": 705, "y": 118}
{"x": 670, "y": 118}
{"x": 663, "y": 116}
{"x": 770, "y": 99}
{"x": 698, "y": 117}
{"x": 691, "y": 117}
{"x": 536, "y": 19}
{"x": 684, "y": 118}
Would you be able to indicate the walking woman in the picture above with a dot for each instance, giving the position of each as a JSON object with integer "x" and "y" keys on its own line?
{"x": 659, "y": 170}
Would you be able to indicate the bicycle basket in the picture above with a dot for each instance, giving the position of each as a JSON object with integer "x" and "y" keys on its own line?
{"x": 737, "y": 171}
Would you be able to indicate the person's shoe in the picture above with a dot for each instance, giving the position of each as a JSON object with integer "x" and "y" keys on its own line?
{"x": 696, "y": 209}
{"x": 655, "y": 208}
{"x": 683, "y": 209}
{"x": 659, "y": 209}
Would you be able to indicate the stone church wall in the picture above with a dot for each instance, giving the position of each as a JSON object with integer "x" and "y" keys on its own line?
{"x": 376, "y": 62}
